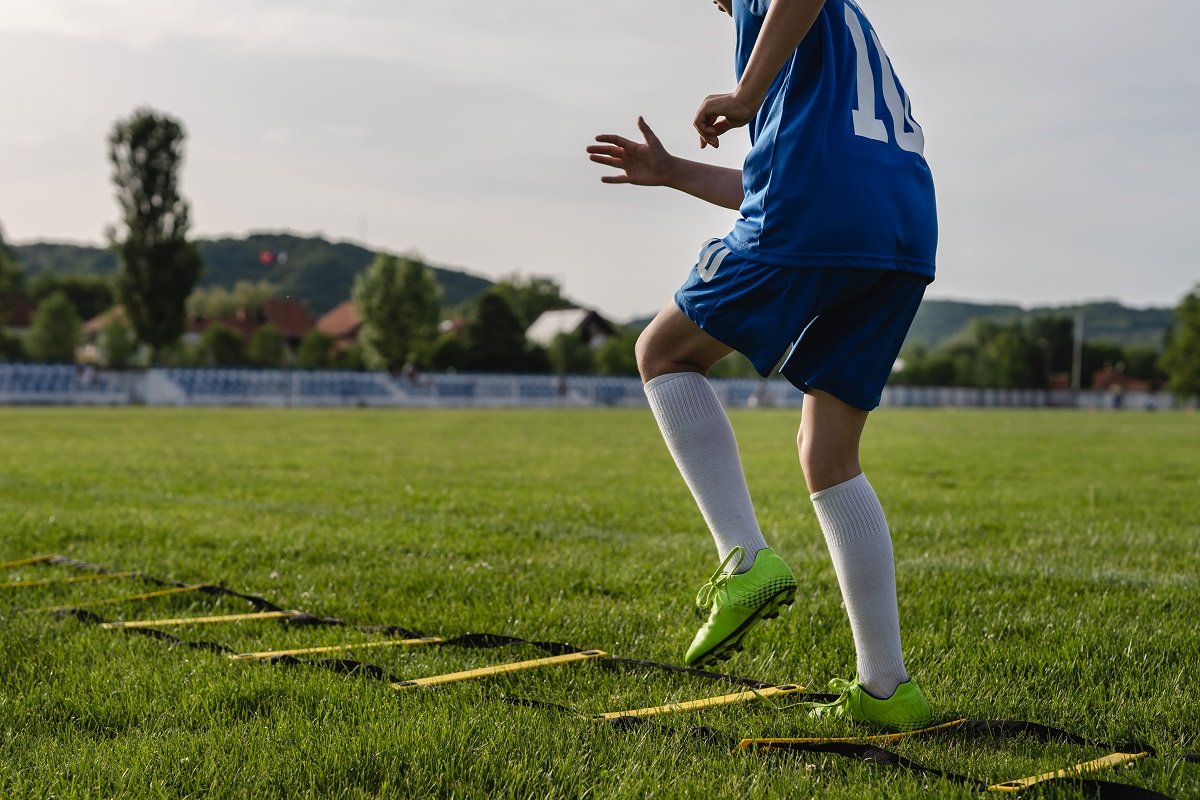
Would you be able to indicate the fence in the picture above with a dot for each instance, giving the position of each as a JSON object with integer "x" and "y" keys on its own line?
{"x": 31, "y": 384}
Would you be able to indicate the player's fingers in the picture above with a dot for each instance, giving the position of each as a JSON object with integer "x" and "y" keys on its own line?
{"x": 608, "y": 161}
{"x": 647, "y": 133}
{"x": 708, "y": 135}
{"x": 614, "y": 179}
{"x": 605, "y": 150}
{"x": 705, "y": 126}
{"x": 619, "y": 141}
{"x": 722, "y": 126}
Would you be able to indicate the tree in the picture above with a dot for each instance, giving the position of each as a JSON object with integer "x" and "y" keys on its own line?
{"x": 158, "y": 266}
{"x": 217, "y": 301}
{"x": 1181, "y": 357}
{"x": 12, "y": 278}
{"x": 266, "y": 348}
{"x": 734, "y": 365}
{"x": 54, "y": 331}
{"x": 1008, "y": 359}
{"x": 495, "y": 337}
{"x": 221, "y": 346}
{"x": 118, "y": 345}
{"x": 11, "y": 347}
{"x": 1055, "y": 336}
{"x": 90, "y": 294}
{"x": 315, "y": 351}
{"x": 616, "y": 356}
{"x": 450, "y": 353}
{"x": 399, "y": 302}
{"x": 1098, "y": 355}
{"x": 530, "y": 297}
{"x": 569, "y": 354}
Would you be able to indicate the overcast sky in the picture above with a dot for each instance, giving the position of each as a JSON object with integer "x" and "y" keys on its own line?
{"x": 1063, "y": 135}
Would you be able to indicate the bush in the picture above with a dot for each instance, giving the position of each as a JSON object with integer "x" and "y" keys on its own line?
{"x": 54, "y": 332}
{"x": 11, "y": 348}
{"x": 267, "y": 348}
{"x": 118, "y": 345}
{"x": 221, "y": 346}
{"x": 316, "y": 351}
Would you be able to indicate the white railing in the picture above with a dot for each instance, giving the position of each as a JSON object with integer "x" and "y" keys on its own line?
{"x": 34, "y": 384}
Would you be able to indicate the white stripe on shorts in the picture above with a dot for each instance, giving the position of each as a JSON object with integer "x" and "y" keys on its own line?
{"x": 710, "y": 260}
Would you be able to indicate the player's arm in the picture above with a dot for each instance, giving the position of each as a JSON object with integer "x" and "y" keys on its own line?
{"x": 785, "y": 26}
{"x": 649, "y": 164}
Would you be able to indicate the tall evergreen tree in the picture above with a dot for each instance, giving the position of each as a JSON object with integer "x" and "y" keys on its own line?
{"x": 12, "y": 278}
{"x": 495, "y": 337}
{"x": 158, "y": 266}
{"x": 399, "y": 302}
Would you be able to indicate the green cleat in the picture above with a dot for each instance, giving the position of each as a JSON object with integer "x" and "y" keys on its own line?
{"x": 905, "y": 710}
{"x": 738, "y": 602}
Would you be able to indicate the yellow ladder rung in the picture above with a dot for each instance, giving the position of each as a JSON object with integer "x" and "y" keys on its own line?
{"x": 336, "y": 648}
{"x": 1113, "y": 760}
{"x": 499, "y": 669}
{"x": 159, "y": 623}
{"x": 707, "y": 702}
{"x": 104, "y": 576}
{"x": 883, "y": 738}
{"x": 21, "y": 562}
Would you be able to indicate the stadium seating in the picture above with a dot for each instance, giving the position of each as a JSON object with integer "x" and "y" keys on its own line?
{"x": 57, "y": 384}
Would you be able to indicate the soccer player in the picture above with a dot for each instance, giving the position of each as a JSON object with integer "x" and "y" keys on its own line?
{"x": 821, "y": 275}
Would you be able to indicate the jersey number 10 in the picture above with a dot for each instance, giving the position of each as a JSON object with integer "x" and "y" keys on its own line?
{"x": 899, "y": 107}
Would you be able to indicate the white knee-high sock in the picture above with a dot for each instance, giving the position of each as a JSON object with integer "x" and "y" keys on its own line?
{"x": 701, "y": 440}
{"x": 861, "y": 546}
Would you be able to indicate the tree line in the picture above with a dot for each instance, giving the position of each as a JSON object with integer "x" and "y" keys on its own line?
{"x": 1024, "y": 354}
{"x": 405, "y": 326}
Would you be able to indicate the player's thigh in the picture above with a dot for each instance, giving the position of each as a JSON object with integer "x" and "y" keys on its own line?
{"x": 673, "y": 343}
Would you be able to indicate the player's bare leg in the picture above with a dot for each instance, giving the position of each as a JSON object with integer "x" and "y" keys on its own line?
{"x": 672, "y": 343}
{"x": 752, "y": 583}
{"x": 860, "y": 544}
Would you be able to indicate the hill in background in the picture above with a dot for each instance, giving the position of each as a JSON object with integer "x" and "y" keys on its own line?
{"x": 941, "y": 320}
{"x": 321, "y": 273}
{"x": 311, "y": 269}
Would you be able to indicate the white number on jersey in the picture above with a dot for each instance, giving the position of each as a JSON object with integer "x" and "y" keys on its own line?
{"x": 866, "y": 124}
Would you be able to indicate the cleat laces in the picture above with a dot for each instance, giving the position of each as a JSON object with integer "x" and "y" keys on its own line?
{"x": 716, "y": 585}
{"x": 840, "y": 707}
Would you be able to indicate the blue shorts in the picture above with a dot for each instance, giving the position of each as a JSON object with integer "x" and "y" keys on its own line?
{"x": 836, "y": 330}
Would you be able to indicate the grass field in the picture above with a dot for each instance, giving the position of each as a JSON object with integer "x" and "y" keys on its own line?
{"x": 1048, "y": 568}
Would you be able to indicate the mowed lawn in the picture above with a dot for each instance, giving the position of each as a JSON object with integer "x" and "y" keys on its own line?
{"x": 1048, "y": 562}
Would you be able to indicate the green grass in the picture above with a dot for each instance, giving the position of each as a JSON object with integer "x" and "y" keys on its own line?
{"x": 1047, "y": 561}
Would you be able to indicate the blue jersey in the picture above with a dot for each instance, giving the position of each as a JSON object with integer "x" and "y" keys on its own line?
{"x": 836, "y": 175}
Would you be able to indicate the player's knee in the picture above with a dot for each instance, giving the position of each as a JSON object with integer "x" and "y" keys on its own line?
{"x": 654, "y": 358}
{"x": 644, "y": 353}
{"x": 825, "y": 466}
{"x": 822, "y": 470}
{"x": 809, "y": 464}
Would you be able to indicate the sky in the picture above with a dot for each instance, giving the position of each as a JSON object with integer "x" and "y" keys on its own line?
{"x": 1062, "y": 136}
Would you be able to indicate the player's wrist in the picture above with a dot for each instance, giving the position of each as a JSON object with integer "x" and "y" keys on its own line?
{"x": 747, "y": 100}
{"x": 672, "y": 175}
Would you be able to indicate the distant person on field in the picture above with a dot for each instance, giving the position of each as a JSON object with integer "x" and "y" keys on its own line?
{"x": 824, "y": 269}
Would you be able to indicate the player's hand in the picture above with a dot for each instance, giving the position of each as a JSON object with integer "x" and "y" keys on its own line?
{"x": 642, "y": 163}
{"x": 720, "y": 113}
